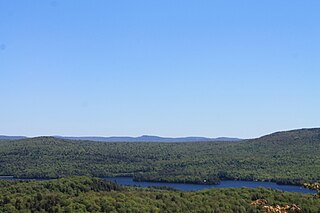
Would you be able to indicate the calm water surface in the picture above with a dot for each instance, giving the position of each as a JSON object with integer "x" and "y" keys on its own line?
{"x": 224, "y": 184}
{"x": 128, "y": 181}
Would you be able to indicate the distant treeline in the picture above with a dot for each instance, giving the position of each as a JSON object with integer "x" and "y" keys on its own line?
{"x": 285, "y": 157}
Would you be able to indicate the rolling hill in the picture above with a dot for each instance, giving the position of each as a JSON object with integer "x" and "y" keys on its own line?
{"x": 284, "y": 157}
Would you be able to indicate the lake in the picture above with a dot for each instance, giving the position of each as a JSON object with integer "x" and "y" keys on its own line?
{"x": 128, "y": 181}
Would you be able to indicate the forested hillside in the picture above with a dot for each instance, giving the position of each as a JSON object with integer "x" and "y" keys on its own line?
{"x": 285, "y": 157}
{"x": 83, "y": 194}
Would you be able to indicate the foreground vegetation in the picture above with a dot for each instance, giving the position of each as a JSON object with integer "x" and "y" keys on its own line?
{"x": 83, "y": 194}
{"x": 314, "y": 186}
{"x": 286, "y": 157}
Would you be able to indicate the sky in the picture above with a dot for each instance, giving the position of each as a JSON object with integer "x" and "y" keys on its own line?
{"x": 169, "y": 68}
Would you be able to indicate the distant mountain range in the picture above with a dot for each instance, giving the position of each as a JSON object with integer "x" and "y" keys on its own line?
{"x": 150, "y": 138}
{"x": 5, "y": 137}
{"x": 144, "y": 138}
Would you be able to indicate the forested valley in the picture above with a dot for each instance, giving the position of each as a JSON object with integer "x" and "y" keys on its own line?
{"x": 285, "y": 157}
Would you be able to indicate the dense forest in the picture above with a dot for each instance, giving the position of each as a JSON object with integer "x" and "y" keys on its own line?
{"x": 284, "y": 157}
{"x": 84, "y": 194}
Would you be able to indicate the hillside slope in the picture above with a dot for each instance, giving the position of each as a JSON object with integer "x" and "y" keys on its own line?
{"x": 284, "y": 157}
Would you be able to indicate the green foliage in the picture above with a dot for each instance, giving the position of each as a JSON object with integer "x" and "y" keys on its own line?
{"x": 83, "y": 194}
{"x": 286, "y": 157}
{"x": 314, "y": 186}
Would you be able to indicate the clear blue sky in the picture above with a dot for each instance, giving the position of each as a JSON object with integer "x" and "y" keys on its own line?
{"x": 169, "y": 68}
